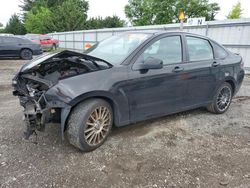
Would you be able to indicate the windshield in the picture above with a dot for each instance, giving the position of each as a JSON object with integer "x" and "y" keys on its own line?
{"x": 116, "y": 48}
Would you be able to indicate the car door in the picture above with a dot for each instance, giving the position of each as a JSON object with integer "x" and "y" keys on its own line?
{"x": 10, "y": 46}
{"x": 156, "y": 92}
{"x": 202, "y": 71}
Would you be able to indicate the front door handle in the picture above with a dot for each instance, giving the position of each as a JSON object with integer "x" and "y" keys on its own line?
{"x": 178, "y": 69}
{"x": 215, "y": 64}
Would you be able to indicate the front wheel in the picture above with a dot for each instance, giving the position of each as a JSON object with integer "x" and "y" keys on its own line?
{"x": 222, "y": 99}
{"x": 90, "y": 124}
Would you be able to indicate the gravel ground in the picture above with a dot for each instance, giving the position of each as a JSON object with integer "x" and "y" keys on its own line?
{"x": 190, "y": 149}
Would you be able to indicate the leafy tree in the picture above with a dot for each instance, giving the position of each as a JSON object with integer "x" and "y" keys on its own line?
{"x": 15, "y": 26}
{"x": 27, "y": 5}
{"x": 71, "y": 15}
{"x": 39, "y": 20}
{"x": 45, "y": 16}
{"x": 149, "y": 12}
{"x": 236, "y": 12}
{"x": 108, "y": 22}
{"x": 114, "y": 21}
{"x": 1, "y": 25}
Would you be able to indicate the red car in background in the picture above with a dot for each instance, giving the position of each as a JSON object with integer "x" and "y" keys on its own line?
{"x": 46, "y": 42}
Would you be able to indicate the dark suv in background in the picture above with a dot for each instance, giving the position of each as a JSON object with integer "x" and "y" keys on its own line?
{"x": 11, "y": 46}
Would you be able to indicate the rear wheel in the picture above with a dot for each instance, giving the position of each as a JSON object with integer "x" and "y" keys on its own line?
{"x": 53, "y": 47}
{"x": 222, "y": 99}
{"x": 90, "y": 124}
{"x": 26, "y": 54}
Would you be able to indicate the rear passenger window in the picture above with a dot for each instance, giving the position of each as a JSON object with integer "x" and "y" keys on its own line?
{"x": 219, "y": 52}
{"x": 199, "y": 49}
{"x": 9, "y": 40}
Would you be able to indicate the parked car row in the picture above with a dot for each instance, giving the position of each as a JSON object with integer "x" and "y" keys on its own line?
{"x": 25, "y": 46}
{"x": 47, "y": 42}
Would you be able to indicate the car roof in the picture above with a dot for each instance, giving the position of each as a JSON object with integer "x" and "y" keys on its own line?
{"x": 162, "y": 32}
{"x": 10, "y": 36}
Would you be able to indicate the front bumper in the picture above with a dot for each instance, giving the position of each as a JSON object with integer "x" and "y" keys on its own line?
{"x": 37, "y": 113}
{"x": 38, "y": 52}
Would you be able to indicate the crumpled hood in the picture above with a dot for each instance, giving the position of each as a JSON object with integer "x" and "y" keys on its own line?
{"x": 66, "y": 53}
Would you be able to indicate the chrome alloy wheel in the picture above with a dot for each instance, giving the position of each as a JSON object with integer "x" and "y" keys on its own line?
{"x": 98, "y": 125}
{"x": 224, "y": 98}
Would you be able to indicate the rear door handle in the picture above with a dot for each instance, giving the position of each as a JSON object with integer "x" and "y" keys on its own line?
{"x": 215, "y": 64}
{"x": 178, "y": 69}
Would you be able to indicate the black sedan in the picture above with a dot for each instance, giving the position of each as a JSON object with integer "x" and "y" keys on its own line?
{"x": 126, "y": 79}
{"x": 12, "y": 46}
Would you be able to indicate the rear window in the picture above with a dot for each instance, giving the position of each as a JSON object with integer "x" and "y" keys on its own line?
{"x": 45, "y": 37}
{"x": 199, "y": 49}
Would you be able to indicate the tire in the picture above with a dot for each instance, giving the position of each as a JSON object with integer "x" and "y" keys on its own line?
{"x": 90, "y": 118}
{"x": 222, "y": 99}
{"x": 26, "y": 54}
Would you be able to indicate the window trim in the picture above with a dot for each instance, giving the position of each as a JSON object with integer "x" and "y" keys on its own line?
{"x": 196, "y": 61}
{"x": 142, "y": 50}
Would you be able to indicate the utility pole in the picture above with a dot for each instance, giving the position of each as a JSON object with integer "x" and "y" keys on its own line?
{"x": 181, "y": 18}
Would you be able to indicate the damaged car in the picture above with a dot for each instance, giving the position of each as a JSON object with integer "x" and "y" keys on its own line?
{"x": 125, "y": 79}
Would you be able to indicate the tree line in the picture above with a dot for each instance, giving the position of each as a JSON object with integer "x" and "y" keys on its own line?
{"x": 45, "y": 16}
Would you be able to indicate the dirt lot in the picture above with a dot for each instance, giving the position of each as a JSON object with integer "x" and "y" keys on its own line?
{"x": 190, "y": 149}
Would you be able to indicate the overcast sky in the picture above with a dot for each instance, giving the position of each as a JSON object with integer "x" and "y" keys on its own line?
{"x": 116, "y": 7}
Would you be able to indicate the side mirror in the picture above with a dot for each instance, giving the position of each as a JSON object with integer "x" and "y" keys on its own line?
{"x": 149, "y": 63}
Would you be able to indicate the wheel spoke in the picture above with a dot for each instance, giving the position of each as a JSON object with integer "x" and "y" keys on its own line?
{"x": 95, "y": 139}
{"x": 104, "y": 112}
{"x": 104, "y": 129}
{"x": 100, "y": 112}
{"x": 91, "y": 138}
{"x": 96, "y": 114}
{"x": 98, "y": 137}
{"x": 105, "y": 120}
{"x": 91, "y": 124}
{"x": 90, "y": 129}
{"x": 101, "y": 133}
{"x": 89, "y": 134}
{"x": 91, "y": 117}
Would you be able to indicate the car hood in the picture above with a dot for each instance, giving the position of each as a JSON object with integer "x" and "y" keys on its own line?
{"x": 63, "y": 54}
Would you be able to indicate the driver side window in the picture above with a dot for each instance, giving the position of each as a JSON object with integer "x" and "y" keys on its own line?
{"x": 168, "y": 49}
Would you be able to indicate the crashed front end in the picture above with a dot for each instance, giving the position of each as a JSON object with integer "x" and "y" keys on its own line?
{"x": 35, "y": 85}
{"x": 38, "y": 108}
